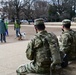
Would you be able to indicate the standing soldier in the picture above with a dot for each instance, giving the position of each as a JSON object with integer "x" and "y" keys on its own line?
{"x": 67, "y": 40}
{"x": 43, "y": 51}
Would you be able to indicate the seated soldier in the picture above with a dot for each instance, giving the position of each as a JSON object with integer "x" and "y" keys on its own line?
{"x": 67, "y": 40}
{"x": 43, "y": 51}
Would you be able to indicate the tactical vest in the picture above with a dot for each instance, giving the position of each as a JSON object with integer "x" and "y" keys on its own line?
{"x": 47, "y": 55}
{"x": 72, "y": 51}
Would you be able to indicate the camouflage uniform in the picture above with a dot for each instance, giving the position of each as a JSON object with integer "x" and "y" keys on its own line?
{"x": 67, "y": 42}
{"x": 41, "y": 55}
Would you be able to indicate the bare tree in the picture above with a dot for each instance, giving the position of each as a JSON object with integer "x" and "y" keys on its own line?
{"x": 41, "y": 8}
{"x": 12, "y": 7}
{"x": 28, "y": 8}
{"x": 25, "y": 9}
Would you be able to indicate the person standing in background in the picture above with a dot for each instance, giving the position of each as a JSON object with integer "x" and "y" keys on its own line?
{"x": 17, "y": 28}
{"x": 6, "y": 23}
{"x": 2, "y": 30}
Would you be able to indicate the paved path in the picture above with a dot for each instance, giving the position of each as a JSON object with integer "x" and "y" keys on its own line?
{"x": 54, "y": 26}
{"x": 50, "y": 25}
{"x": 11, "y": 56}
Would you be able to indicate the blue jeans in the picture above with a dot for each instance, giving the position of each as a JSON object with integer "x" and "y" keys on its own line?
{"x": 6, "y": 33}
{"x": 18, "y": 32}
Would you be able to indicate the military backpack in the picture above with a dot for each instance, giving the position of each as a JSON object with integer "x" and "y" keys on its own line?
{"x": 51, "y": 52}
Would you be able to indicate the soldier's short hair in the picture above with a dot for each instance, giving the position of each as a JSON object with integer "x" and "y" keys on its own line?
{"x": 38, "y": 21}
{"x": 39, "y": 24}
{"x": 66, "y": 23}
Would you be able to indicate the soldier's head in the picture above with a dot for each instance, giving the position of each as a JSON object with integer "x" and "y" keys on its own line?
{"x": 66, "y": 23}
{"x": 39, "y": 24}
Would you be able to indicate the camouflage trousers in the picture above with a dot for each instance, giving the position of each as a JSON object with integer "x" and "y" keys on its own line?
{"x": 26, "y": 68}
{"x": 30, "y": 68}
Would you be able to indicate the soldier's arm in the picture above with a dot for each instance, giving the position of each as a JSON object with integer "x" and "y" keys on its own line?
{"x": 33, "y": 45}
{"x": 65, "y": 43}
{"x": 55, "y": 52}
{"x": 30, "y": 51}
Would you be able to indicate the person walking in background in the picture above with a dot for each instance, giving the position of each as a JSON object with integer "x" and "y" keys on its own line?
{"x": 42, "y": 50}
{"x": 17, "y": 27}
{"x": 6, "y": 23}
{"x": 2, "y": 30}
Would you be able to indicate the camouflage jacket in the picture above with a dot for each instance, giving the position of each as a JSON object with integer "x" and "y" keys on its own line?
{"x": 67, "y": 43}
{"x": 43, "y": 52}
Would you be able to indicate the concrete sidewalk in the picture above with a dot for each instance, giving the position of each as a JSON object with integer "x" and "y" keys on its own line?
{"x": 11, "y": 56}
